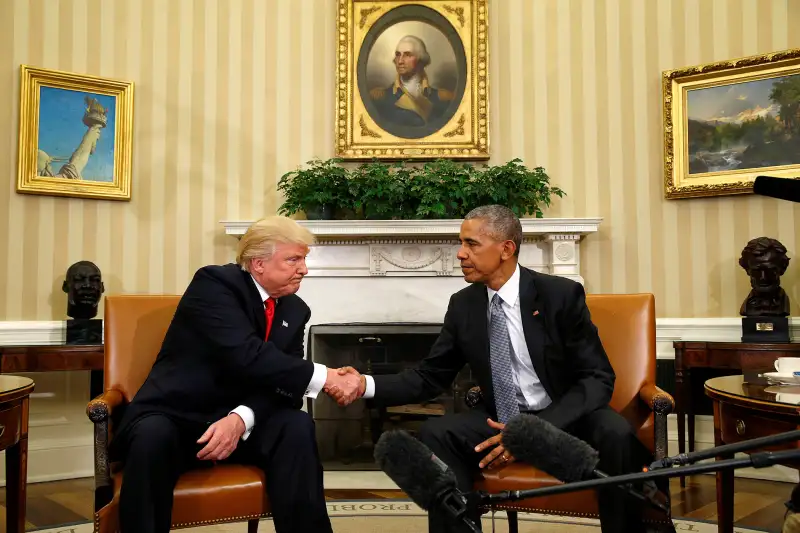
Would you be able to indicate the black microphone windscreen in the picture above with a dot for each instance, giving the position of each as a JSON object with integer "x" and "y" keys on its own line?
{"x": 542, "y": 445}
{"x": 781, "y": 188}
{"x": 413, "y": 467}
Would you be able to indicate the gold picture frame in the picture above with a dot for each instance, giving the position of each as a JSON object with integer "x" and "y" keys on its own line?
{"x": 412, "y": 79}
{"x": 726, "y": 123}
{"x": 65, "y": 148}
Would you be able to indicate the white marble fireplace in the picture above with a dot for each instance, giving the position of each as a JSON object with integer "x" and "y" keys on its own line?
{"x": 379, "y": 271}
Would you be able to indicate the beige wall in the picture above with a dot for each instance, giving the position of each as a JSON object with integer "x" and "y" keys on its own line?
{"x": 231, "y": 94}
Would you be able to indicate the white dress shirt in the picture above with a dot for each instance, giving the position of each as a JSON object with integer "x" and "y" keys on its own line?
{"x": 530, "y": 391}
{"x": 314, "y": 386}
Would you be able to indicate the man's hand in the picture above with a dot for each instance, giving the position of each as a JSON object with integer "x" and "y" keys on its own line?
{"x": 344, "y": 385}
{"x": 499, "y": 451}
{"x": 221, "y": 438}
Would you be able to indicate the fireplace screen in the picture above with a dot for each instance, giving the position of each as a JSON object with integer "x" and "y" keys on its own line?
{"x": 346, "y": 435}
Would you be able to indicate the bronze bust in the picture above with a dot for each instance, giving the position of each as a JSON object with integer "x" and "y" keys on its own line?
{"x": 83, "y": 285}
{"x": 765, "y": 261}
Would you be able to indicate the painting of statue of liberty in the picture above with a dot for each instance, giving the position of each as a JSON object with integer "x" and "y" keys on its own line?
{"x": 75, "y": 135}
{"x": 744, "y": 125}
{"x": 73, "y": 142}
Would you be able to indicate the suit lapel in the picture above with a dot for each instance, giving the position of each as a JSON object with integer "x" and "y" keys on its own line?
{"x": 533, "y": 325}
{"x": 256, "y": 305}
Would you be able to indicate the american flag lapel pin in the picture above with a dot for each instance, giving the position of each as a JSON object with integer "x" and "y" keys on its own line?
{"x": 284, "y": 324}
{"x": 536, "y": 313}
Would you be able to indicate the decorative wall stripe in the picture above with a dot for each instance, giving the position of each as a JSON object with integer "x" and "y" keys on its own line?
{"x": 232, "y": 94}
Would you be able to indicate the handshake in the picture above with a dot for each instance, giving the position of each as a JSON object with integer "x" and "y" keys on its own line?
{"x": 345, "y": 385}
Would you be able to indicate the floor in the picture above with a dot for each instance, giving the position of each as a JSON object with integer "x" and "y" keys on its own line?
{"x": 758, "y": 504}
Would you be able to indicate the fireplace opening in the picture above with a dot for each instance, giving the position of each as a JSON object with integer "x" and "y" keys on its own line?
{"x": 346, "y": 435}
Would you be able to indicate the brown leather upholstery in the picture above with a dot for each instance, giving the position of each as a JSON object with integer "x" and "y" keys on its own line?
{"x": 134, "y": 329}
{"x": 627, "y": 328}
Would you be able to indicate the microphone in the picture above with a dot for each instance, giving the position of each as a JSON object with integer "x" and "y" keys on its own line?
{"x": 781, "y": 188}
{"x": 567, "y": 458}
{"x": 726, "y": 449}
{"x": 424, "y": 477}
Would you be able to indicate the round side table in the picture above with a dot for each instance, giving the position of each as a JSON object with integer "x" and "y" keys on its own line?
{"x": 15, "y": 394}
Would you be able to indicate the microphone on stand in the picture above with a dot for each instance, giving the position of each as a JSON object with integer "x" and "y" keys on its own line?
{"x": 567, "y": 458}
{"x": 781, "y": 188}
{"x": 424, "y": 477}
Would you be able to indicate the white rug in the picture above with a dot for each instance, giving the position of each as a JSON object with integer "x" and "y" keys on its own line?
{"x": 399, "y": 516}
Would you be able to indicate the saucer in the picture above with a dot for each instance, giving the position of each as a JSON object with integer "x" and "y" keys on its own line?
{"x": 782, "y": 377}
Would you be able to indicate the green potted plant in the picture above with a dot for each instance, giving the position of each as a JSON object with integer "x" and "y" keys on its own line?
{"x": 317, "y": 190}
{"x": 378, "y": 190}
{"x": 526, "y": 191}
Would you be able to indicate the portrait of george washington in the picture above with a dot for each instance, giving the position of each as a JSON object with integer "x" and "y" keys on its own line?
{"x": 412, "y": 72}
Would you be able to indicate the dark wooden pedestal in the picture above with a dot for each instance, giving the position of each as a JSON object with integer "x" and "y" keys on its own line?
{"x": 720, "y": 355}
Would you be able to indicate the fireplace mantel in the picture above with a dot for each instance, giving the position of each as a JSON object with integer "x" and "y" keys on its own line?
{"x": 427, "y": 248}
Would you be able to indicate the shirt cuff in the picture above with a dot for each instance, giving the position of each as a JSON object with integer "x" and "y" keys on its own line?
{"x": 369, "y": 392}
{"x": 247, "y": 417}
{"x": 317, "y": 380}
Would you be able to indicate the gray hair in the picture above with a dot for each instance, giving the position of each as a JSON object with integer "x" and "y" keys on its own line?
{"x": 420, "y": 51}
{"x": 502, "y": 223}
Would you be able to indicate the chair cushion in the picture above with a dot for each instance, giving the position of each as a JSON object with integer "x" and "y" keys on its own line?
{"x": 222, "y": 493}
{"x": 519, "y": 476}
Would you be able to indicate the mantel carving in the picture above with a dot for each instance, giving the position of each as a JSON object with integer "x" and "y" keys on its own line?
{"x": 428, "y": 247}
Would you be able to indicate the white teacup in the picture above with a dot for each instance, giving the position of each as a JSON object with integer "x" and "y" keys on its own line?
{"x": 787, "y": 365}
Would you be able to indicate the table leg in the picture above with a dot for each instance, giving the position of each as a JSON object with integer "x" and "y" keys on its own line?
{"x": 680, "y": 411}
{"x": 725, "y": 481}
{"x": 16, "y": 478}
{"x": 95, "y": 384}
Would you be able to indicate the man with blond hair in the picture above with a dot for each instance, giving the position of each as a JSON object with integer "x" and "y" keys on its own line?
{"x": 228, "y": 385}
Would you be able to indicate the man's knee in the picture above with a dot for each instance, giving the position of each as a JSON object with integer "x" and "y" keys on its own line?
{"x": 152, "y": 437}
{"x": 296, "y": 429}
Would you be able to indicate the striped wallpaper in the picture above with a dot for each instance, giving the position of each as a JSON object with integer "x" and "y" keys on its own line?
{"x": 232, "y": 93}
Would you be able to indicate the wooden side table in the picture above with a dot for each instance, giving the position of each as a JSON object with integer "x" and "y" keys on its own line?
{"x": 721, "y": 355}
{"x": 15, "y": 394}
{"x": 748, "y": 407}
{"x": 55, "y": 358}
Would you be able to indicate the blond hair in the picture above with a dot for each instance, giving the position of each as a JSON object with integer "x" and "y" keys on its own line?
{"x": 260, "y": 239}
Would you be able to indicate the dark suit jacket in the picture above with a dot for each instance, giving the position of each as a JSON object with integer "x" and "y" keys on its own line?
{"x": 214, "y": 357}
{"x": 563, "y": 343}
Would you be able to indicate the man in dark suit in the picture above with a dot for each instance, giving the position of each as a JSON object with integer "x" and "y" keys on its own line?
{"x": 530, "y": 343}
{"x": 228, "y": 384}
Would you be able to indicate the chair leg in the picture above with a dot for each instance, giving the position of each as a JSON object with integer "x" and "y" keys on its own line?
{"x": 252, "y": 525}
{"x": 513, "y": 526}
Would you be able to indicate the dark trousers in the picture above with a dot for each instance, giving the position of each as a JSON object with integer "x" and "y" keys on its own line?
{"x": 157, "y": 450}
{"x": 453, "y": 439}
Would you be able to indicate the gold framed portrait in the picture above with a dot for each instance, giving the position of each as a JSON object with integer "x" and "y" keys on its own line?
{"x": 412, "y": 79}
{"x": 726, "y": 123}
{"x": 75, "y": 135}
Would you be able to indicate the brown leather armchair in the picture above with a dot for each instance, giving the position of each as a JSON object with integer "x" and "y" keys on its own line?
{"x": 134, "y": 330}
{"x": 627, "y": 328}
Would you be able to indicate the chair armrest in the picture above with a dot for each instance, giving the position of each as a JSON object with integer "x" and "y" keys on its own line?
{"x": 100, "y": 409}
{"x": 662, "y": 404}
{"x": 659, "y": 401}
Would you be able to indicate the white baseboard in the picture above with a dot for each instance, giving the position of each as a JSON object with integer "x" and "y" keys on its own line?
{"x": 55, "y": 456}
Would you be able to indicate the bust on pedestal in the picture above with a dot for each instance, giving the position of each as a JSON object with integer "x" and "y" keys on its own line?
{"x": 84, "y": 286}
{"x": 765, "y": 311}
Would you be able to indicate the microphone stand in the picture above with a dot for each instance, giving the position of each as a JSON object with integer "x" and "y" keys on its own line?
{"x": 726, "y": 449}
{"x": 756, "y": 460}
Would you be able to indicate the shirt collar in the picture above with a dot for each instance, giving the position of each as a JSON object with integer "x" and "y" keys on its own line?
{"x": 264, "y": 294}
{"x": 509, "y": 292}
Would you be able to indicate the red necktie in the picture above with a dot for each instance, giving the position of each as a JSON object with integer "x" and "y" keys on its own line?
{"x": 269, "y": 312}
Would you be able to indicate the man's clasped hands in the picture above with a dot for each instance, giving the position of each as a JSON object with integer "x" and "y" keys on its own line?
{"x": 346, "y": 385}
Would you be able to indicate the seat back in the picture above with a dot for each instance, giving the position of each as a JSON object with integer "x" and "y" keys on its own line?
{"x": 134, "y": 329}
{"x": 626, "y": 324}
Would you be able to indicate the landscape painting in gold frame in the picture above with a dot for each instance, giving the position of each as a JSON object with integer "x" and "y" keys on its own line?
{"x": 75, "y": 135}
{"x": 726, "y": 123}
{"x": 412, "y": 79}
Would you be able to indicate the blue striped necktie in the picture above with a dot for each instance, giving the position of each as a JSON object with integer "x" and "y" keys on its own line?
{"x": 505, "y": 395}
